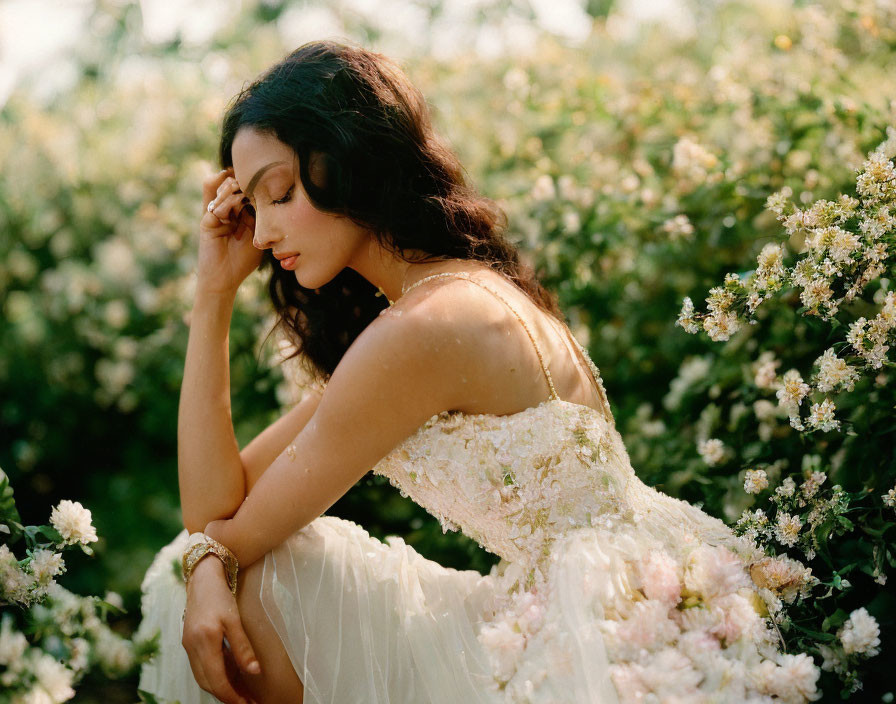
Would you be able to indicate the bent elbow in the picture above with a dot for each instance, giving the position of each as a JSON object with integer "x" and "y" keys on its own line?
{"x": 195, "y": 521}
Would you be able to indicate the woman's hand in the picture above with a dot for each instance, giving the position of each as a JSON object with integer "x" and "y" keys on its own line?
{"x": 226, "y": 253}
{"x": 212, "y": 614}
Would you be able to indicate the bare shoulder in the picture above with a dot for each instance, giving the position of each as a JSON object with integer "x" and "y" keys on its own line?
{"x": 424, "y": 354}
{"x": 428, "y": 339}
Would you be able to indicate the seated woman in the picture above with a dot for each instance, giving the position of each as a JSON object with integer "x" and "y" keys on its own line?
{"x": 466, "y": 389}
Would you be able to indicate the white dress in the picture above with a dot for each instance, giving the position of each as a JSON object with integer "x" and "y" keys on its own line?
{"x": 607, "y": 590}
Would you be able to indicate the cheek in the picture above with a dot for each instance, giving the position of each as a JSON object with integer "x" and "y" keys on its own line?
{"x": 304, "y": 219}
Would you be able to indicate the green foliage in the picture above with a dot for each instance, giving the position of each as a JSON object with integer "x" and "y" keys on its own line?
{"x": 635, "y": 170}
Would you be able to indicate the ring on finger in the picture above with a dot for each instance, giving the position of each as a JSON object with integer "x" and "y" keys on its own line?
{"x": 211, "y": 206}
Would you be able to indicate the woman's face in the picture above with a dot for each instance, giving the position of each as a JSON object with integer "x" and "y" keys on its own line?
{"x": 285, "y": 220}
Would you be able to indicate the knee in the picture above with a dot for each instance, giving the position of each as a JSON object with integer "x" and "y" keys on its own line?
{"x": 249, "y": 582}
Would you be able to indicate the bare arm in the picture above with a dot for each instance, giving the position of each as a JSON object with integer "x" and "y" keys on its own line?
{"x": 209, "y": 470}
{"x": 214, "y": 475}
{"x": 270, "y": 443}
{"x": 397, "y": 375}
{"x": 210, "y": 473}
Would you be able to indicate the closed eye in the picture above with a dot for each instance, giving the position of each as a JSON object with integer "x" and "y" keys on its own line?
{"x": 285, "y": 198}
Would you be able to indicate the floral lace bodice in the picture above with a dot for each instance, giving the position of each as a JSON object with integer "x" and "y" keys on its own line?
{"x": 517, "y": 483}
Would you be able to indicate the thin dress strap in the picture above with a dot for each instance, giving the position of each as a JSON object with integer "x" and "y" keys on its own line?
{"x": 465, "y": 275}
{"x": 595, "y": 377}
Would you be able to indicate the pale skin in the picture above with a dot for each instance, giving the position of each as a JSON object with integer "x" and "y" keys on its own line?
{"x": 446, "y": 345}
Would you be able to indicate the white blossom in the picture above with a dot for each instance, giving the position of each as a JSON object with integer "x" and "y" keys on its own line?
{"x": 890, "y": 498}
{"x": 73, "y": 522}
{"x": 765, "y": 371}
{"x": 712, "y": 451}
{"x": 543, "y": 188}
{"x": 78, "y": 659}
{"x": 821, "y": 416}
{"x": 787, "y": 528}
{"x": 13, "y": 643}
{"x": 15, "y": 583}
{"x": 756, "y": 480}
{"x": 114, "y": 652}
{"x": 53, "y": 677}
{"x": 860, "y": 634}
{"x": 46, "y": 564}
{"x": 786, "y": 488}
{"x": 686, "y": 317}
{"x": 794, "y": 389}
{"x": 835, "y": 373}
{"x": 810, "y": 487}
{"x": 679, "y": 228}
{"x": 721, "y": 325}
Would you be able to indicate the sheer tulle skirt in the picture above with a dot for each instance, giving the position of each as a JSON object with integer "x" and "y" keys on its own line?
{"x": 362, "y": 620}
{"x": 374, "y": 622}
{"x": 371, "y": 621}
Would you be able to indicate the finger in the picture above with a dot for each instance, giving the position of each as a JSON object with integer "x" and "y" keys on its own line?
{"x": 211, "y": 184}
{"x": 246, "y": 221}
{"x": 228, "y": 187}
{"x": 212, "y": 657}
{"x": 240, "y": 645}
{"x": 196, "y": 666}
{"x": 226, "y": 208}
{"x": 236, "y": 676}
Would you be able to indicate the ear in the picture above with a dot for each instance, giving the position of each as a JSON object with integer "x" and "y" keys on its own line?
{"x": 317, "y": 169}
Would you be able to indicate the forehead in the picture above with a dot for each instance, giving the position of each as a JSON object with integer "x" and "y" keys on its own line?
{"x": 253, "y": 150}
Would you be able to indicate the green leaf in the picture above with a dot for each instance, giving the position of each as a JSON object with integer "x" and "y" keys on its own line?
{"x": 815, "y": 635}
{"x": 845, "y": 522}
{"x": 835, "y": 620}
{"x": 49, "y": 532}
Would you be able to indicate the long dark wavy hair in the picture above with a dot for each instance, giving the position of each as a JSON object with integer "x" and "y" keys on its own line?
{"x": 386, "y": 170}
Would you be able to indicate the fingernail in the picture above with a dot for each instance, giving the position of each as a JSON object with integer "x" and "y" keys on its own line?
{"x": 254, "y": 667}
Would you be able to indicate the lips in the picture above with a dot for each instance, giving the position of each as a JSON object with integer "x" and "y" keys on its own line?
{"x": 289, "y": 263}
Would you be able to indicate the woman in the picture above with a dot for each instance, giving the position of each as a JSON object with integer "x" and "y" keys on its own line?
{"x": 465, "y": 388}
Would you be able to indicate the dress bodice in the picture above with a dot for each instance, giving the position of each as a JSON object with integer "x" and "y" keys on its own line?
{"x": 516, "y": 483}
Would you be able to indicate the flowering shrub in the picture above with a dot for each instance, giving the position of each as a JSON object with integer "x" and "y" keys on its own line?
{"x": 52, "y": 638}
{"x": 845, "y": 247}
{"x": 635, "y": 169}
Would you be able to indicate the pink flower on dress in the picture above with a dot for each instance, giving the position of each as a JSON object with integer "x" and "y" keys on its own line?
{"x": 714, "y": 571}
{"x": 629, "y": 685}
{"x": 530, "y": 612}
{"x": 504, "y": 646}
{"x": 648, "y": 627}
{"x": 738, "y": 618}
{"x": 698, "y": 644}
{"x": 659, "y": 577}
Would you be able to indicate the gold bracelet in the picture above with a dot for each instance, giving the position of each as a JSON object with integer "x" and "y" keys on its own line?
{"x": 200, "y": 546}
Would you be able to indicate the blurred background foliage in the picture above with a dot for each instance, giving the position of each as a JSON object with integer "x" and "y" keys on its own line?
{"x": 634, "y": 162}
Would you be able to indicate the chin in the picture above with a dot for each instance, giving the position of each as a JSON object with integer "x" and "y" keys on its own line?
{"x": 311, "y": 279}
{"x": 314, "y": 270}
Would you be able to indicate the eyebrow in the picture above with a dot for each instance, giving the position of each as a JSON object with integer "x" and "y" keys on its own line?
{"x": 253, "y": 182}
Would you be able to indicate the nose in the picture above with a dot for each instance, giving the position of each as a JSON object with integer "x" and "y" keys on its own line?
{"x": 264, "y": 238}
